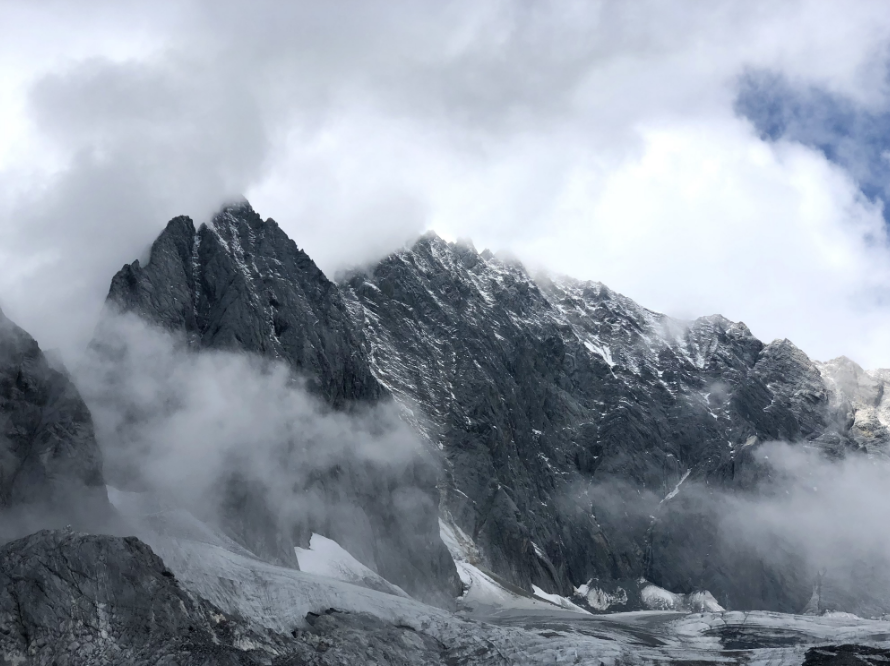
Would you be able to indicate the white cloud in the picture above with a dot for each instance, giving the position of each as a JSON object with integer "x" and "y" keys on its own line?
{"x": 593, "y": 138}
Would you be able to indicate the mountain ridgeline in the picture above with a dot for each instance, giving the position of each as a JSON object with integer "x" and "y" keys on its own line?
{"x": 570, "y": 432}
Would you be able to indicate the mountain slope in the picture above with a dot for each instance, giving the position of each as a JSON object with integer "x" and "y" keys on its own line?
{"x": 69, "y": 598}
{"x": 551, "y": 398}
{"x": 241, "y": 285}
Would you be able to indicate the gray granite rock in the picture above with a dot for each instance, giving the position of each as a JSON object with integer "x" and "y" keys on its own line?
{"x": 68, "y": 598}
{"x": 241, "y": 284}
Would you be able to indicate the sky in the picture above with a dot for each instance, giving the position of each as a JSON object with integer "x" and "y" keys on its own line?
{"x": 719, "y": 157}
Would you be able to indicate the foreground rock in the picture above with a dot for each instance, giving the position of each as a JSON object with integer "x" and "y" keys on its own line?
{"x": 73, "y": 599}
{"x": 50, "y": 463}
{"x": 82, "y": 599}
{"x": 846, "y": 655}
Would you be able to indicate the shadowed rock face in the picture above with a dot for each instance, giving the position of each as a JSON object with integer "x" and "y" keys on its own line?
{"x": 50, "y": 464}
{"x": 242, "y": 285}
{"x": 570, "y": 418}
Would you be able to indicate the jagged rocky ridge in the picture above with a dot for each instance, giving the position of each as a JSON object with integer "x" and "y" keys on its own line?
{"x": 559, "y": 404}
{"x": 240, "y": 284}
{"x": 569, "y": 417}
{"x": 50, "y": 463}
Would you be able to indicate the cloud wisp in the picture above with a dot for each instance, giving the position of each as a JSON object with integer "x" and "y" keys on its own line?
{"x": 239, "y": 441}
{"x": 808, "y": 533}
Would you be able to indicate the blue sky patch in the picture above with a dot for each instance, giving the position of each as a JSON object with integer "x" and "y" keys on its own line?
{"x": 852, "y": 137}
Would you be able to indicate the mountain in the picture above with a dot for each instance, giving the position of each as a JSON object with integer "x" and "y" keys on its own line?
{"x": 592, "y": 453}
{"x": 575, "y": 423}
{"x": 588, "y": 444}
{"x": 50, "y": 463}
{"x": 241, "y": 285}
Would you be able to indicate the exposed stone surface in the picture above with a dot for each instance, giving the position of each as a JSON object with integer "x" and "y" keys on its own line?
{"x": 50, "y": 463}
{"x": 552, "y": 397}
{"x": 862, "y": 401}
{"x": 569, "y": 417}
{"x": 80, "y": 599}
{"x": 241, "y": 284}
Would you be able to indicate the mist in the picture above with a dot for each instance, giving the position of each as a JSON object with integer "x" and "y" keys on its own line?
{"x": 803, "y": 522}
{"x": 241, "y": 443}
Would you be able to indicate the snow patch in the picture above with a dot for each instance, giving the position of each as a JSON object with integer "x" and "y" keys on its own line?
{"x": 658, "y": 598}
{"x": 557, "y": 600}
{"x": 325, "y": 557}
{"x": 601, "y": 350}
{"x": 671, "y": 495}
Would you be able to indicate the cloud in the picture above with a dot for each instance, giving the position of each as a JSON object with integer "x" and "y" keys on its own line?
{"x": 854, "y": 136}
{"x": 831, "y": 514}
{"x": 239, "y": 441}
{"x": 526, "y": 127}
{"x": 803, "y": 524}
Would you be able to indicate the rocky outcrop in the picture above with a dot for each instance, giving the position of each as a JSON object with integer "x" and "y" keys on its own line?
{"x": 584, "y": 437}
{"x": 576, "y": 423}
{"x": 50, "y": 463}
{"x": 861, "y": 401}
{"x": 69, "y": 598}
{"x": 240, "y": 284}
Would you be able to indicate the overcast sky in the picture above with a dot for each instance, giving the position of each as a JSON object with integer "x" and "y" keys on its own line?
{"x": 700, "y": 157}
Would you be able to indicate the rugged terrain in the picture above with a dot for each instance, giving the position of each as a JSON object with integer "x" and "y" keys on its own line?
{"x": 242, "y": 285}
{"x": 50, "y": 462}
{"x": 69, "y": 598}
{"x": 587, "y": 442}
{"x": 579, "y": 453}
{"x": 574, "y": 420}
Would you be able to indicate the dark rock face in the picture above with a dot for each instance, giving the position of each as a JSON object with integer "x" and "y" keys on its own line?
{"x": 846, "y": 655}
{"x": 242, "y": 285}
{"x": 50, "y": 463}
{"x": 551, "y": 398}
{"x": 70, "y": 598}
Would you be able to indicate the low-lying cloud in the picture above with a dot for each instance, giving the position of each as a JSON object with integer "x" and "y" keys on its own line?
{"x": 807, "y": 533}
{"x": 236, "y": 438}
